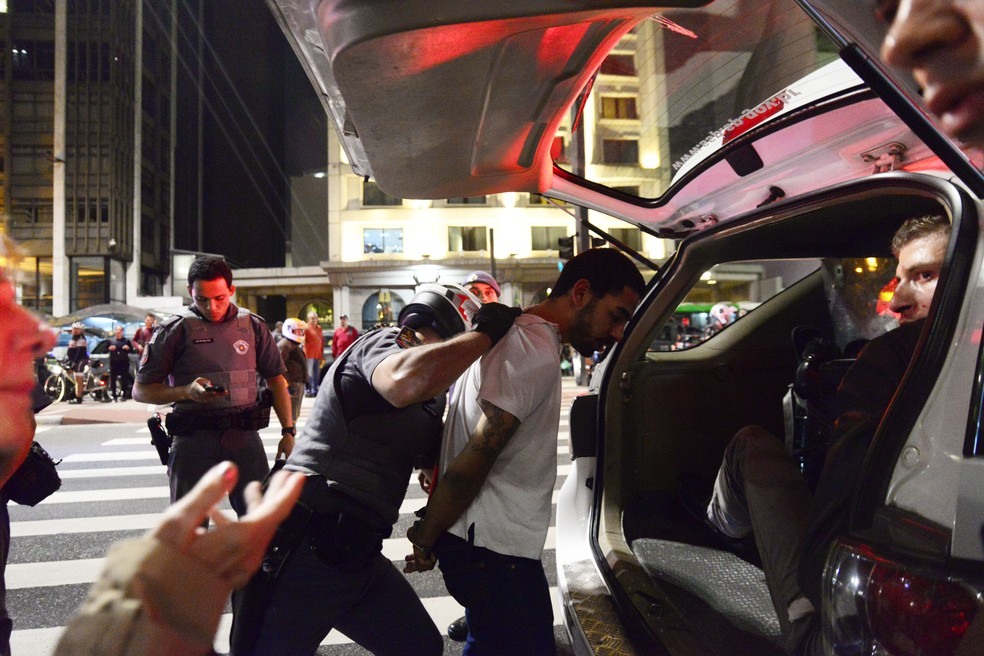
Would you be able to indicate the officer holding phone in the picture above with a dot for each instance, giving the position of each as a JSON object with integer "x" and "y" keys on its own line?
{"x": 205, "y": 362}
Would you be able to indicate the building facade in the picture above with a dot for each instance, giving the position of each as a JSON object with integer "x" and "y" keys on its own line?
{"x": 86, "y": 145}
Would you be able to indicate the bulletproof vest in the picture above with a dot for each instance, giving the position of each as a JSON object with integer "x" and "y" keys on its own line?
{"x": 369, "y": 458}
{"x": 222, "y": 351}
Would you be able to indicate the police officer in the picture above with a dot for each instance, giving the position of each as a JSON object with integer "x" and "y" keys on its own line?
{"x": 379, "y": 408}
{"x": 205, "y": 361}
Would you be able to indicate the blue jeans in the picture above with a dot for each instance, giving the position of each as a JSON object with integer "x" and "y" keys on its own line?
{"x": 506, "y": 599}
{"x": 314, "y": 375}
{"x": 375, "y": 606}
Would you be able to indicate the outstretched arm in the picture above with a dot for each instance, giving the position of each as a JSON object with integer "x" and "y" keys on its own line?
{"x": 422, "y": 372}
{"x": 419, "y": 373}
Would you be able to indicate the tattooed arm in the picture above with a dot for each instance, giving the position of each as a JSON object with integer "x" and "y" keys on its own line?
{"x": 461, "y": 481}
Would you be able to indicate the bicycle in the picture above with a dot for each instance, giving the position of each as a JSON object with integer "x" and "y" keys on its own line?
{"x": 62, "y": 381}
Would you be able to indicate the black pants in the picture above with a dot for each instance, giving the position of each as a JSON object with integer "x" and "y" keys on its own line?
{"x": 126, "y": 381}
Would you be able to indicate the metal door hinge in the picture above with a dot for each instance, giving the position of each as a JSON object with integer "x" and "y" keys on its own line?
{"x": 887, "y": 157}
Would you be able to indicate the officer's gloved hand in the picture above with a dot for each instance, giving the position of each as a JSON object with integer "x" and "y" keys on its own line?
{"x": 494, "y": 320}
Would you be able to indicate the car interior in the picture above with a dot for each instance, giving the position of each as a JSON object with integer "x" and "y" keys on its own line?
{"x": 776, "y": 367}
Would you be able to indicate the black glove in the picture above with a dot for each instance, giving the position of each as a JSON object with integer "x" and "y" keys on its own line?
{"x": 494, "y": 320}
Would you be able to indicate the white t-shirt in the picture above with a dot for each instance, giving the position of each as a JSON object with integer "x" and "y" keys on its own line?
{"x": 521, "y": 375}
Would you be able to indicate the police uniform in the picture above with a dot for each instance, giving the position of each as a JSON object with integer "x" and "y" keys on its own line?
{"x": 358, "y": 452}
{"x": 229, "y": 353}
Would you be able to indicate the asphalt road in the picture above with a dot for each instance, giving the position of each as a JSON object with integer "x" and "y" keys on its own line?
{"x": 114, "y": 487}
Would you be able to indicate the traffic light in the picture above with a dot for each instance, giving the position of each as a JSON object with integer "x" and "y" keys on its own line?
{"x": 565, "y": 247}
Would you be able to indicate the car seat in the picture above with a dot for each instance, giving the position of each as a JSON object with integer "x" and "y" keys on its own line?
{"x": 810, "y": 404}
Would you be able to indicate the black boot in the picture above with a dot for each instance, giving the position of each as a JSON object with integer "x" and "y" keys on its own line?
{"x": 458, "y": 630}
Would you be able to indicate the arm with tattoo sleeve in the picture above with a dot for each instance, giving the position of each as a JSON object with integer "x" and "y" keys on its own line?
{"x": 461, "y": 482}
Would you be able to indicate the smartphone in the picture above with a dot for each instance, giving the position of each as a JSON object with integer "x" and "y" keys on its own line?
{"x": 214, "y": 388}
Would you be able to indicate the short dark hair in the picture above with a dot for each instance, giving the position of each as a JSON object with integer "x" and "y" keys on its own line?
{"x": 919, "y": 227}
{"x": 209, "y": 267}
{"x": 608, "y": 271}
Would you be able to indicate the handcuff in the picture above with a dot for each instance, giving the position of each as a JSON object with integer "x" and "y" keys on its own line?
{"x": 290, "y": 430}
{"x": 426, "y": 552}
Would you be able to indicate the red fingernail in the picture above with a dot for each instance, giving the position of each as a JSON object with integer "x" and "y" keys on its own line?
{"x": 230, "y": 474}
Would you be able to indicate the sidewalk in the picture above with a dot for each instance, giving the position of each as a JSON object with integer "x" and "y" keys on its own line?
{"x": 94, "y": 412}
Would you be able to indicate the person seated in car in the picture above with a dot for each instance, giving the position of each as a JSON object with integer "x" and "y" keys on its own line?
{"x": 759, "y": 490}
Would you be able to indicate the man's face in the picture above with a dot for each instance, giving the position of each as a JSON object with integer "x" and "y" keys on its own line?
{"x": 149, "y": 322}
{"x": 312, "y": 319}
{"x": 343, "y": 322}
{"x": 118, "y": 331}
{"x": 485, "y": 293}
{"x": 23, "y": 337}
{"x": 942, "y": 41}
{"x": 918, "y": 270}
{"x": 598, "y": 322}
{"x": 212, "y": 297}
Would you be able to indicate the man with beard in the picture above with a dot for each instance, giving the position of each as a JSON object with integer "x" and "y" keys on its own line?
{"x": 487, "y": 518}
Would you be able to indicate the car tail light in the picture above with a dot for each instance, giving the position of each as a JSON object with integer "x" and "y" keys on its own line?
{"x": 880, "y": 607}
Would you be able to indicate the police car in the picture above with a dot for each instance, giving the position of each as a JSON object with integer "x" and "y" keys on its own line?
{"x": 767, "y": 145}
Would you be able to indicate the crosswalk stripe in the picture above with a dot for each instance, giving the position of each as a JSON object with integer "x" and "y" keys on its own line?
{"x": 127, "y": 441}
{"x": 53, "y": 572}
{"x": 149, "y": 454}
{"x": 83, "y": 525}
{"x": 112, "y": 472}
{"x": 114, "y": 494}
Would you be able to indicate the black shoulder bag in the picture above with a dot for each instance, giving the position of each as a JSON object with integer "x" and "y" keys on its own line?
{"x": 35, "y": 480}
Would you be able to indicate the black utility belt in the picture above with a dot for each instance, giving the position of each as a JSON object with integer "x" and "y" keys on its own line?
{"x": 186, "y": 423}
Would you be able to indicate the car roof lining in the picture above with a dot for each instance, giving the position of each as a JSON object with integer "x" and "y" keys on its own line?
{"x": 829, "y": 231}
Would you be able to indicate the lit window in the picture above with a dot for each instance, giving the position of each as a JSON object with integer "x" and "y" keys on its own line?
{"x": 618, "y": 107}
{"x": 382, "y": 240}
{"x": 462, "y": 238}
{"x": 544, "y": 238}
{"x": 621, "y": 151}
{"x": 618, "y": 65}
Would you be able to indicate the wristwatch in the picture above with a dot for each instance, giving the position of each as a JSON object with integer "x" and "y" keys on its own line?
{"x": 292, "y": 430}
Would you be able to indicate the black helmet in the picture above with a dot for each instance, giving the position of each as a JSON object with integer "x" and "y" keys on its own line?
{"x": 447, "y": 308}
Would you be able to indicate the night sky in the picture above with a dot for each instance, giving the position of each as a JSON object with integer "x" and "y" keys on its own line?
{"x": 262, "y": 123}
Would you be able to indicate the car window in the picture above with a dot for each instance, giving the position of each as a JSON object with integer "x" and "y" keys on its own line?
{"x": 685, "y": 79}
{"x": 858, "y": 292}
